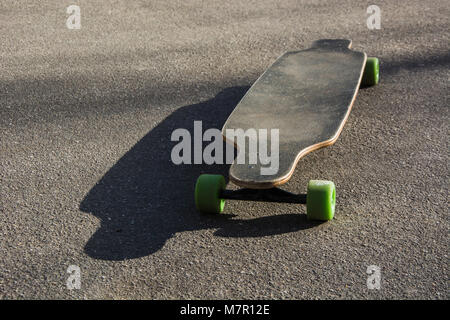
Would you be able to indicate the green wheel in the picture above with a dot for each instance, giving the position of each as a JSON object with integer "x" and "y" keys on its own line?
{"x": 320, "y": 200}
{"x": 371, "y": 74}
{"x": 207, "y": 190}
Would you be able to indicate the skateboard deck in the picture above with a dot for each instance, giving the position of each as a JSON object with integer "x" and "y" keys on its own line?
{"x": 307, "y": 95}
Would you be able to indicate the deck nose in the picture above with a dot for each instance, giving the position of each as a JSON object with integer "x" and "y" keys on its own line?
{"x": 259, "y": 176}
{"x": 333, "y": 44}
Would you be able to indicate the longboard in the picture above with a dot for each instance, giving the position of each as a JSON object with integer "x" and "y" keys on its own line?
{"x": 307, "y": 95}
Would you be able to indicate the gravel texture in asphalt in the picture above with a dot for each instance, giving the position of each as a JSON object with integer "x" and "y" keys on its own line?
{"x": 86, "y": 177}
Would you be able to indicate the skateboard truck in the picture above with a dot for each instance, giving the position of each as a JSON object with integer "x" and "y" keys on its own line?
{"x": 320, "y": 200}
{"x": 263, "y": 195}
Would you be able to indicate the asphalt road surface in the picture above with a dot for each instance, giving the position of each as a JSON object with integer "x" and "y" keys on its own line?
{"x": 86, "y": 177}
